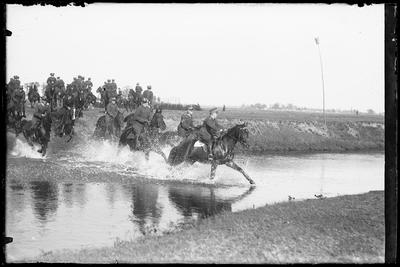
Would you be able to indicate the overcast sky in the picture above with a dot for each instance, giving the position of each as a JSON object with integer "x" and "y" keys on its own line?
{"x": 209, "y": 54}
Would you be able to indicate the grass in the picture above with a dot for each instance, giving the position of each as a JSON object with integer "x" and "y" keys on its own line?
{"x": 342, "y": 229}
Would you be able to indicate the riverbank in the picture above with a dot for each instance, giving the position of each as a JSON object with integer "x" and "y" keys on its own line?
{"x": 340, "y": 229}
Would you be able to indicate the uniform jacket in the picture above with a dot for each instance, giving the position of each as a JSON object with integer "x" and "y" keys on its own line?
{"x": 142, "y": 115}
{"x": 210, "y": 129}
{"x": 186, "y": 124}
{"x": 112, "y": 110}
{"x": 148, "y": 94}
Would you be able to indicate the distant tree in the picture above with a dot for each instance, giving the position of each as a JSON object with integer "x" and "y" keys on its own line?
{"x": 370, "y": 111}
{"x": 275, "y": 106}
{"x": 223, "y": 108}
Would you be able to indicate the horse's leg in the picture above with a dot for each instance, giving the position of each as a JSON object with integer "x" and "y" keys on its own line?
{"x": 147, "y": 154}
{"x": 234, "y": 166}
{"x": 213, "y": 170}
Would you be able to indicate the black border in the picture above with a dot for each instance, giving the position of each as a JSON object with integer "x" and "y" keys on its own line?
{"x": 391, "y": 119}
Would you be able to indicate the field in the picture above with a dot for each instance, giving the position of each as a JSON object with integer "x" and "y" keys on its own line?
{"x": 342, "y": 229}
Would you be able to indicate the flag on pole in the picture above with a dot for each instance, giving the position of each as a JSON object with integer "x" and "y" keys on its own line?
{"x": 316, "y": 40}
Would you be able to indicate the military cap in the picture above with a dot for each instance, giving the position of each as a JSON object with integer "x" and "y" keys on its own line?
{"x": 137, "y": 83}
{"x": 213, "y": 110}
{"x": 108, "y": 80}
{"x": 148, "y": 86}
{"x": 58, "y": 77}
{"x": 15, "y": 76}
{"x": 190, "y": 108}
{"x": 52, "y": 74}
{"x": 113, "y": 80}
{"x": 89, "y": 78}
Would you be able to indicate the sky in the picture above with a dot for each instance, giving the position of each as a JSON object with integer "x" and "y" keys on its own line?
{"x": 212, "y": 54}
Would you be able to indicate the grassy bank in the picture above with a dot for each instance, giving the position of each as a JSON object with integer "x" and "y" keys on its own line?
{"x": 340, "y": 229}
{"x": 285, "y": 131}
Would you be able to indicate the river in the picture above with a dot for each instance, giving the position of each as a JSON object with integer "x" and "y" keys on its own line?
{"x": 91, "y": 194}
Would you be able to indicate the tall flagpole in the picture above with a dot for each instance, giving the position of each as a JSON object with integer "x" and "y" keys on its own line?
{"x": 322, "y": 76}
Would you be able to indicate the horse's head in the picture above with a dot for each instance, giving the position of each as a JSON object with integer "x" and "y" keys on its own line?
{"x": 158, "y": 121}
{"x": 239, "y": 133}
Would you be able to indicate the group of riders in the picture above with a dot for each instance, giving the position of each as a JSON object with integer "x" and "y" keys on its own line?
{"x": 68, "y": 101}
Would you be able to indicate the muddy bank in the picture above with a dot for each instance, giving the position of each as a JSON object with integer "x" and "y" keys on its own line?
{"x": 342, "y": 229}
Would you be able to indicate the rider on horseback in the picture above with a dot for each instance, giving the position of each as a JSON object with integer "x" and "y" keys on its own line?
{"x": 141, "y": 119}
{"x": 65, "y": 114}
{"x": 210, "y": 131}
{"x": 40, "y": 112}
{"x": 111, "y": 113}
{"x": 186, "y": 126}
{"x": 19, "y": 100}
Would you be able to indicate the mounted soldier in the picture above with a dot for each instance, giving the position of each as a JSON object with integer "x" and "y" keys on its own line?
{"x": 39, "y": 113}
{"x": 111, "y": 114}
{"x": 66, "y": 115}
{"x": 141, "y": 119}
{"x": 210, "y": 130}
{"x": 59, "y": 91}
{"x": 138, "y": 90}
{"x": 149, "y": 95}
{"x": 19, "y": 101}
{"x": 186, "y": 126}
{"x": 50, "y": 89}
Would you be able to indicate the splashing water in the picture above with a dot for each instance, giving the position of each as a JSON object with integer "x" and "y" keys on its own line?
{"x": 21, "y": 148}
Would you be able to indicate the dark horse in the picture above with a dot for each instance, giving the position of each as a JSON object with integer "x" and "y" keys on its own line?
{"x": 149, "y": 140}
{"x": 222, "y": 149}
{"x": 102, "y": 129}
{"x": 39, "y": 135}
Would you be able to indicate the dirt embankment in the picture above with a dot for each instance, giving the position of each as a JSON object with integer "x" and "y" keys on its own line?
{"x": 289, "y": 131}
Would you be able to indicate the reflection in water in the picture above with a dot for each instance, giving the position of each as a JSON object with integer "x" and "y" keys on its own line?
{"x": 201, "y": 200}
{"x": 45, "y": 199}
{"x": 51, "y": 216}
{"x": 67, "y": 190}
{"x": 144, "y": 205}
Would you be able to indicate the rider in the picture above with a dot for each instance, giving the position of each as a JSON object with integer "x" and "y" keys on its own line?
{"x": 141, "y": 119}
{"x": 211, "y": 130}
{"x": 19, "y": 99}
{"x": 138, "y": 95}
{"x": 148, "y": 94}
{"x": 65, "y": 114}
{"x": 186, "y": 125}
{"x": 111, "y": 113}
{"x": 59, "y": 91}
{"x": 40, "y": 112}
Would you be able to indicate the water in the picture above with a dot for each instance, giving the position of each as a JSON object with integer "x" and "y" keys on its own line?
{"x": 90, "y": 194}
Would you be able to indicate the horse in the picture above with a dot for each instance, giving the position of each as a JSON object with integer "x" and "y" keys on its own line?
{"x": 222, "y": 149}
{"x": 102, "y": 129}
{"x": 39, "y": 135}
{"x": 149, "y": 140}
